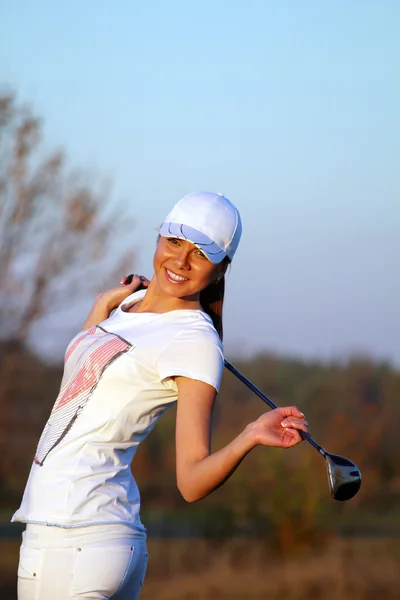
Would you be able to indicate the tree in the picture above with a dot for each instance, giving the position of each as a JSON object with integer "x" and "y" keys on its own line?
{"x": 58, "y": 229}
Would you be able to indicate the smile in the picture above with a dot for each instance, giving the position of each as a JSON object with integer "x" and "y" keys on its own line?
{"x": 174, "y": 277}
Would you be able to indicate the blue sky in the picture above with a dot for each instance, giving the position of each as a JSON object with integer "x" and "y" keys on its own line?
{"x": 290, "y": 108}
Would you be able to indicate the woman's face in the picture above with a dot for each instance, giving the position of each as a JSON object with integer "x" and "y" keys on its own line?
{"x": 182, "y": 270}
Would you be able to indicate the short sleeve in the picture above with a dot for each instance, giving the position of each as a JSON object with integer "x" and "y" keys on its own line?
{"x": 193, "y": 353}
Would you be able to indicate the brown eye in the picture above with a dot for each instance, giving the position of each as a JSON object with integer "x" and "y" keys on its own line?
{"x": 201, "y": 254}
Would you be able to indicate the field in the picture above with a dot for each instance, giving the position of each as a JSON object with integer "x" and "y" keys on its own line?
{"x": 199, "y": 569}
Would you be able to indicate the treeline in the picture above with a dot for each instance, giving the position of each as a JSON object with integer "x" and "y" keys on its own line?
{"x": 352, "y": 408}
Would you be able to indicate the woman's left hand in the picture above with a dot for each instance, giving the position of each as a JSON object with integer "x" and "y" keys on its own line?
{"x": 280, "y": 427}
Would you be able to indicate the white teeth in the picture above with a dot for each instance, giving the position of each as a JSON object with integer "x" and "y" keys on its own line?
{"x": 176, "y": 277}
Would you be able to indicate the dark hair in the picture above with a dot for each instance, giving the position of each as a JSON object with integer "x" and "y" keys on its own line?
{"x": 212, "y": 301}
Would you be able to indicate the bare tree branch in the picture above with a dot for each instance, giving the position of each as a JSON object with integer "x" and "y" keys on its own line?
{"x": 54, "y": 232}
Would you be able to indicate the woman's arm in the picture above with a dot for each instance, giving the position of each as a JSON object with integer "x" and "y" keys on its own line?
{"x": 111, "y": 299}
{"x": 198, "y": 471}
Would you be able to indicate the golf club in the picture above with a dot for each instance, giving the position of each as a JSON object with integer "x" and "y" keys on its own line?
{"x": 343, "y": 475}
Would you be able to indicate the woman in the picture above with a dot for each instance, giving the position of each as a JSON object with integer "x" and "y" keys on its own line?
{"x": 161, "y": 344}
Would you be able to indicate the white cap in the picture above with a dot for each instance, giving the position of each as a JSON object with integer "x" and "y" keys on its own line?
{"x": 209, "y": 221}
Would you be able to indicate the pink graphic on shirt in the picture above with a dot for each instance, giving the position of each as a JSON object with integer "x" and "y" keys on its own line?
{"x": 85, "y": 362}
{"x": 77, "y": 341}
{"x": 90, "y": 372}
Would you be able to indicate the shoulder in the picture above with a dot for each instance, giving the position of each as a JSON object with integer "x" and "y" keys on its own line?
{"x": 196, "y": 325}
{"x": 194, "y": 350}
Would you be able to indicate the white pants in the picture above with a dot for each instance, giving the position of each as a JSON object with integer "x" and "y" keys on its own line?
{"x": 84, "y": 563}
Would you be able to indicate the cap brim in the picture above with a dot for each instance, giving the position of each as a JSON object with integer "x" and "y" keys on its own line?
{"x": 196, "y": 237}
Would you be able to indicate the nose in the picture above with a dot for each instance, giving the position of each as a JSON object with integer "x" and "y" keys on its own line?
{"x": 181, "y": 258}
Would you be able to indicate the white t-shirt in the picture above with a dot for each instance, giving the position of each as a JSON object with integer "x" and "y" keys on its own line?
{"x": 117, "y": 382}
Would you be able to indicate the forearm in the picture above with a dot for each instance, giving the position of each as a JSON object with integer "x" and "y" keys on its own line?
{"x": 198, "y": 471}
{"x": 198, "y": 478}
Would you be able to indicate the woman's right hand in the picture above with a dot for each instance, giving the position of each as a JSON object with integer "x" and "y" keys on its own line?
{"x": 113, "y": 297}
{"x": 107, "y": 301}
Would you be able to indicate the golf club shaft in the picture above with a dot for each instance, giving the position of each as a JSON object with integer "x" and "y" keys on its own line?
{"x": 270, "y": 403}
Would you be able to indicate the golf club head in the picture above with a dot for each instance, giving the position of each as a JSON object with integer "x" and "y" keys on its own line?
{"x": 344, "y": 477}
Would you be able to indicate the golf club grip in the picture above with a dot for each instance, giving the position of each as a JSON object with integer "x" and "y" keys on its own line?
{"x": 268, "y": 401}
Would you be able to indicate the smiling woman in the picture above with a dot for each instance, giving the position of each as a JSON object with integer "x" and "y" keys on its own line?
{"x": 182, "y": 271}
{"x": 140, "y": 351}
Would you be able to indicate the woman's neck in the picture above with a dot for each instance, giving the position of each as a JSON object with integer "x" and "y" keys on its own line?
{"x": 155, "y": 301}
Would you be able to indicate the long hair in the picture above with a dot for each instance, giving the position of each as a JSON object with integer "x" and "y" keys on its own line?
{"x": 212, "y": 301}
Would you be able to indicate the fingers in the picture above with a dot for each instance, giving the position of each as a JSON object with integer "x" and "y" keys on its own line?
{"x": 139, "y": 280}
{"x": 297, "y": 424}
{"x": 292, "y": 424}
{"x": 294, "y": 420}
{"x": 290, "y": 411}
{"x": 127, "y": 279}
